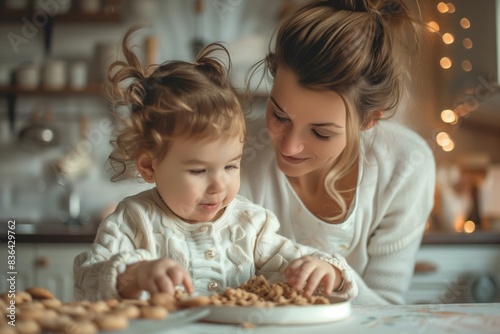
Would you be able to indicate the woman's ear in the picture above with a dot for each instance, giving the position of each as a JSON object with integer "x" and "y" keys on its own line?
{"x": 374, "y": 117}
{"x": 144, "y": 164}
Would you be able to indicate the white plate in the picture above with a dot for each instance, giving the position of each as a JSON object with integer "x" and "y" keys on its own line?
{"x": 174, "y": 320}
{"x": 280, "y": 315}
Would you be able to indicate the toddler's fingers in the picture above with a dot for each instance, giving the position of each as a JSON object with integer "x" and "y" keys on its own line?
{"x": 294, "y": 266}
{"x": 150, "y": 286}
{"x": 328, "y": 283}
{"x": 164, "y": 284}
{"x": 303, "y": 275}
{"x": 313, "y": 281}
{"x": 188, "y": 284}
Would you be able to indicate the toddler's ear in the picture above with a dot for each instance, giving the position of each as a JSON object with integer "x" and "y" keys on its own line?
{"x": 144, "y": 164}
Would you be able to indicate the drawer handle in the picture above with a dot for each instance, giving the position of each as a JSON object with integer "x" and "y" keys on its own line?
{"x": 425, "y": 267}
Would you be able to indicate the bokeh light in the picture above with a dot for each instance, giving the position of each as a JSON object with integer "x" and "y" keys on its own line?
{"x": 449, "y": 116}
{"x": 442, "y": 7}
{"x": 465, "y": 23}
{"x": 467, "y": 43}
{"x": 448, "y": 38}
{"x": 449, "y": 147}
{"x": 442, "y": 138}
{"x": 466, "y": 66}
{"x": 469, "y": 226}
{"x": 445, "y": 62}
{"x": 433, "y": 26}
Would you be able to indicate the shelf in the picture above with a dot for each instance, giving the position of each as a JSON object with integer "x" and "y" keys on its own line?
{"x": 11, "y": 93}
{"x": 92, "y": 89}
{"x": 43, "y": 19}
{"x": 14, "y": 16}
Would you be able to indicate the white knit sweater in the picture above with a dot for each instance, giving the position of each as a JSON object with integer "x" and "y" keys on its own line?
{"x": 382, "y": 233}
{"x": 225, "y": 253}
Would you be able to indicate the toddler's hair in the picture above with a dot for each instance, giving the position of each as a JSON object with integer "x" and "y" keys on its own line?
{"x": 179, "y": 99}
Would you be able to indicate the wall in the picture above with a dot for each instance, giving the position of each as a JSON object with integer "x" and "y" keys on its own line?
{"x": 28, "y": 186}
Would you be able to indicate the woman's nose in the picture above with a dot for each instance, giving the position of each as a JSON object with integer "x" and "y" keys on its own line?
{"x": 291, "y": 143}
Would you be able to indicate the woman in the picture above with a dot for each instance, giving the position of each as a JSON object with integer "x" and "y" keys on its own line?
{"x": 339, "y": 175}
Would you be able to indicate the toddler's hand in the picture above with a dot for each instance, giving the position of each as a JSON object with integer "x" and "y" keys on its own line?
{"x": 307, "y": 273}
{"x": 163, "y": 275}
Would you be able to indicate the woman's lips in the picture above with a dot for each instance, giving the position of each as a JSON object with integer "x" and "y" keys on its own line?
{"x": 292, "y": 160}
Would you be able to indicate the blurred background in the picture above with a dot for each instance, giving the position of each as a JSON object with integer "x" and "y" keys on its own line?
{"x": 54, "y": 125}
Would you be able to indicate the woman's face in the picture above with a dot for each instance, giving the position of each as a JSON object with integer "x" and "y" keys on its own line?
{"x": 307, "y": 127}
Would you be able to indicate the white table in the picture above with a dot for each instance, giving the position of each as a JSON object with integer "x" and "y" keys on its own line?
{"x": 402, "y": 319}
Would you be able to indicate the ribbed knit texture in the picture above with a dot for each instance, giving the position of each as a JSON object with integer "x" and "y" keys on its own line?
{"x": 227, "y": 252}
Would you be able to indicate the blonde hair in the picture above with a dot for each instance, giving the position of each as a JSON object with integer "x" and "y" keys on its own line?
{"x": 360, "y": 49}
{"x": 178, "y": 99}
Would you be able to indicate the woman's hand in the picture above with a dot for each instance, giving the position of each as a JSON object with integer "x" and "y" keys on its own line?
{"x": 308, "y": 273}
{"x": 161, "y": 275}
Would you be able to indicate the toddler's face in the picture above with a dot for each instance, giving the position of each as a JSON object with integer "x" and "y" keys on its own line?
{"x": 198, "y": 178}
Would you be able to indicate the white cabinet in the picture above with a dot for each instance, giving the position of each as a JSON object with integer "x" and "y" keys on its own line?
{"x": 23, "y": 271}
{"x": 456, "y": 274}
{"x": 46, "y": 265}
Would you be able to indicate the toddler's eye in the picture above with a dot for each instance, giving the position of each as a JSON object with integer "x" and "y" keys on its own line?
{"x": 231, "y": 167}
{"x": 197, "y": 171}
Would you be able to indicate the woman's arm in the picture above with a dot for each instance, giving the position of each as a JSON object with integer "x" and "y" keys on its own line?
{"x": 404, "y": 205}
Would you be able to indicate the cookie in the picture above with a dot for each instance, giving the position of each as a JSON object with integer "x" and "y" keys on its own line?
{"x": 40, "y": 293}
{"x": 128, "y": 310}
{"x": 56, "y": 325}
{"x": 97, "y": 307}
{"x": 196, "y": 301}
{"x": 136, "y": 302}
{"x": 112, "y": 302}
{"x": 164, "y": 299}
{"x": 154, "y": 312}
{"x": 77, "y": 312}
{"x": 30, "y": 311}
{"x": 7, "y": 329}
{"x": 28, "y": 327}
{"x": 81, "y": 327}
{"x": 111, "y": 322}
{"x": 19, "y": 297}
{"x": 51, "y": 303}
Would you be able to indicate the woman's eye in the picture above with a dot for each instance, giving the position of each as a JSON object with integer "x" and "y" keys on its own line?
{"x": 319, "y": 136}
{"x": 279, "y": 118}
{"x": 197, "y": 171}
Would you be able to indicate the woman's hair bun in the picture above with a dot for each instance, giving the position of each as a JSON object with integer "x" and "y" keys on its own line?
{"x": 386, "y": 8}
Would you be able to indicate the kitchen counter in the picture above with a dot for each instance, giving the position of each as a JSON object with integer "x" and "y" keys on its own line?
{"x": 427, "y": 318}
{"x": 50, "y": 232}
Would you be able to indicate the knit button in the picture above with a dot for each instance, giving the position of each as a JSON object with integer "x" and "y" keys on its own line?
{"x": 209, "y": 254}
{"x": 212, "y": 286}
{"x": 203, "y": 228}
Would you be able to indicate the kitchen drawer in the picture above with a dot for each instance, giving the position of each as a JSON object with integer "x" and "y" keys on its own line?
{"x": 456, "y": 274}
{"x": 45, "y": 265}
